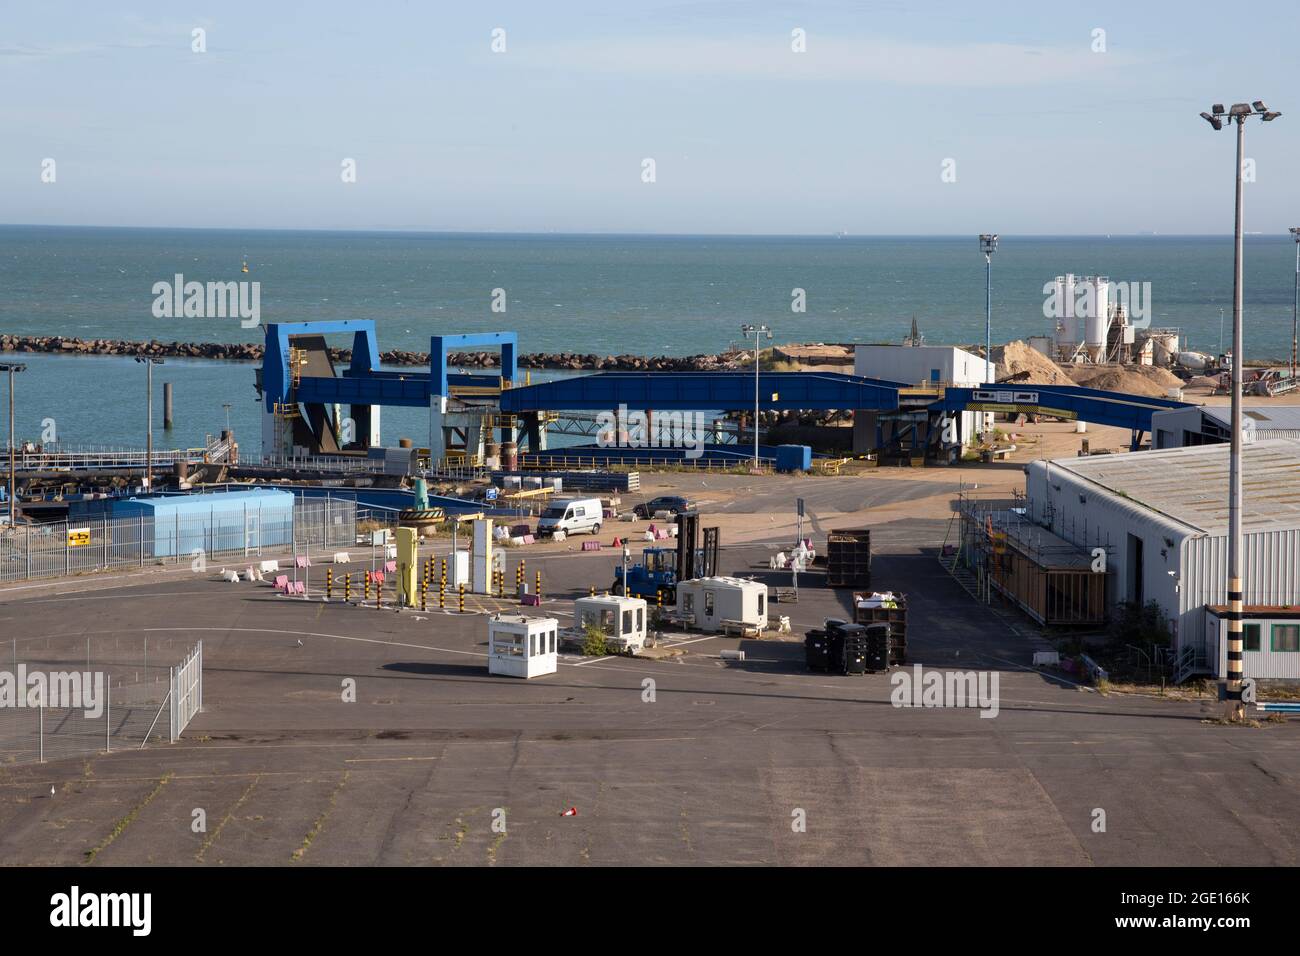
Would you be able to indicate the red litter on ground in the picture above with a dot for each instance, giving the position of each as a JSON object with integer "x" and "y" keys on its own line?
{"x": 571, "y": 812}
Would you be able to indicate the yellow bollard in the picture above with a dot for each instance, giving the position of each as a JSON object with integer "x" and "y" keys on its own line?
{"x": 329, "y": 584}
{"x": 367, "y": 594}
{"x": 461, "y": 588}
{"x": 539, "y": 586}
{"x": 659, "y": 598}
{"x": 442, "y": 599}
{"x": 424, "y": 595}
{"x": 347, "y": 588}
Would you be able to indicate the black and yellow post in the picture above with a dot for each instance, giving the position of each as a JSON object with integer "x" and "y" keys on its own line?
{"x": 424, "y": 595}
{"x": 442, "y": 597}
{"x": 1235, "y": 709}
{"x": 366, "y": 596}
{"x": 444, "y": 570}
{"x": 347, "y": 588}
{"x": 539, "y": 586}
{"x": 329, "y": 584}
{"x": 461, "y": 589}
{"x": 659, "y": 598}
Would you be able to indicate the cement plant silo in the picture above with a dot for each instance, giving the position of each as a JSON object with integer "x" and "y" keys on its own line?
{"x": 1067, "y": 329}
{"x": 1096, "y": 321}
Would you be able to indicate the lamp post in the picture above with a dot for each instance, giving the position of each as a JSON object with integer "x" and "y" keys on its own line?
{"x": 12, "y": 368}
{"x": 149, "y": 362}
{"x": 758, "y": 330}
{"x": 988, "y": 246}
{"x": 1295, "y": 310}
{"x": 1234, "y": 709}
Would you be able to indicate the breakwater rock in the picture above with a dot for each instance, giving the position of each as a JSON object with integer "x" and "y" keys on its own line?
{"x": 252, "y": 352}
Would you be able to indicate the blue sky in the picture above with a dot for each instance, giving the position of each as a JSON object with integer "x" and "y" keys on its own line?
{"x": 747, "y": 136}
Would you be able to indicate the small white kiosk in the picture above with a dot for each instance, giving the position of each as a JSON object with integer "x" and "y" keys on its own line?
{"x": 723, "y": 604}
{"x": 623, "y": 619}
{"x": 522, "y": 646}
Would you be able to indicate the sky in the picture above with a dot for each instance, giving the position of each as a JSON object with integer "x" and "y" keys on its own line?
{"x": 896, "y": 118}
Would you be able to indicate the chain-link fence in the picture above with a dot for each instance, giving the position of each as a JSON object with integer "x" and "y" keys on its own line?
{"x": 65, "y": 697}
{"x": 76, "y": 547}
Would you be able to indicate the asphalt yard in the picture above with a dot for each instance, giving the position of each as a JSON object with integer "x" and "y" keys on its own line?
{"x": 686, "y": 759}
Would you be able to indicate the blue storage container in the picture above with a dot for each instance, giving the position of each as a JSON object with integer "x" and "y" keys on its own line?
{"x": 171, "y": 525}
{"x": 793, "y": 457}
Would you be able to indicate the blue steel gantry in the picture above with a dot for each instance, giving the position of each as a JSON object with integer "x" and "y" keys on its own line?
{"x": 303, "y": 394}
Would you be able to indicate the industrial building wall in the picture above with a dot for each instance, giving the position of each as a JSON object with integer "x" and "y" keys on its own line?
{"x": 1103, "y": 519}
{"x": 1167, "y": 427}
{"x": 1270, "y": 571}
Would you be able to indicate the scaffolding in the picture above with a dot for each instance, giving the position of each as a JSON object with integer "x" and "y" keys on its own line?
{"x": 1022, "y": 563}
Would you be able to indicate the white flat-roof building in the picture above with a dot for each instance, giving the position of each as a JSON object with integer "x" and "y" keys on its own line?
{"x": 1211, "y": 424}
{"x": 1161, "y": 517}
{"x": 925, "y": 365}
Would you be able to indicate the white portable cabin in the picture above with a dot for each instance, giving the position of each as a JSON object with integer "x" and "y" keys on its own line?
{"x": 522, "y": 646}
{"x": 719, "y": 603}
{"x": 623, "y": 619}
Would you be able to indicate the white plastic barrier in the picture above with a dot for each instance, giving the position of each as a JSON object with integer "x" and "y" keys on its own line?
{"x": 1046, "y": 658}
{"x": 231, "y": 576}
{"x": 342, "y": 557}
{"x": 268, "y": 566}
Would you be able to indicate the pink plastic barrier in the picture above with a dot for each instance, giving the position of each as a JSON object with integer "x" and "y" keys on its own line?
{"x": 390, "y": 567}
{"x": 299, "y": 587}
{"x": 282, "y": 583}
{"x": 377, "y": 577}
{"x": 591, "y": 546}
{"x": 528, "y": 539}
{"x": 303, "y": 561}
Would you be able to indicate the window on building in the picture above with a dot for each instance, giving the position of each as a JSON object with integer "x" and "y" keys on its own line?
{"x": 708, "y": 604}
{"x": 1286, "y": 637}
{"x": 1250, "y": 636}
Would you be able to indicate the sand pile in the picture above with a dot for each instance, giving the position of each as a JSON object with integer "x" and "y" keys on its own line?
{"x": 1203, "y": 381}
{"x": 1121, "y": 378}
{"x": 1021, "y": 364}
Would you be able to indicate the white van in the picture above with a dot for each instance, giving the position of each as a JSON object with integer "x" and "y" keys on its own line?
{"x": 571, "y": 516}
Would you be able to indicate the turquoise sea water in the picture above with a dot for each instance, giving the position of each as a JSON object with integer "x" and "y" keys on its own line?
{"x": 602, "y": 294}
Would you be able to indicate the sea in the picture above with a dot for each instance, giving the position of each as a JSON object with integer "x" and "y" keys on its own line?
{"x": 603, "y": 294}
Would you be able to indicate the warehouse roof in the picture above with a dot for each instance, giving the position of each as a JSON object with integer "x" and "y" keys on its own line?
{"x": 1265, "y": 417}
{"x": 1191, "y": 484}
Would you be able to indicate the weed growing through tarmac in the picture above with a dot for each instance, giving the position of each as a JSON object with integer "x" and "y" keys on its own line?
{"x": 127, "y": 820}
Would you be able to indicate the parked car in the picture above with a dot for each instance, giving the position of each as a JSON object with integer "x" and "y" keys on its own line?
{"x": 673, "y": 504}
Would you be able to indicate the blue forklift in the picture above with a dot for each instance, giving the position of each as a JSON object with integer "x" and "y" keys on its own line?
{"x": 660, "y": 569}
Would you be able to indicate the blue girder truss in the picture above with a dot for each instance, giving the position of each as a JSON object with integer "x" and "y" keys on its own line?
{"x": 1085, "y": 404}
{"x": 363, "y": 382}
{"x": 697, "y": 391}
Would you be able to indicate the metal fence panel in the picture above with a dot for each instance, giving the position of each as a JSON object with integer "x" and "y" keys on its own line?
{"x": 66, "y": 548}
{"x": 133, "y": 682}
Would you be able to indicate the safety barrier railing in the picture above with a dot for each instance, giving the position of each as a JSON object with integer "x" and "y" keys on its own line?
{"x": 584, "y": 462}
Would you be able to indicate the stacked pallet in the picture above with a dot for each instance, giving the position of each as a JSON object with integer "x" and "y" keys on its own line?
{"x": 848, "y": 558}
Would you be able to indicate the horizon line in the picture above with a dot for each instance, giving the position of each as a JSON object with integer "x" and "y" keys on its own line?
{"x": 421, "y": 231}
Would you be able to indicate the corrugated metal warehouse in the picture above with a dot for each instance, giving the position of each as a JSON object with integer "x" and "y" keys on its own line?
{"x": 1211, "y": 424}
{"x": 222, "y": 521}
{"x": 1162, "y": 518}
